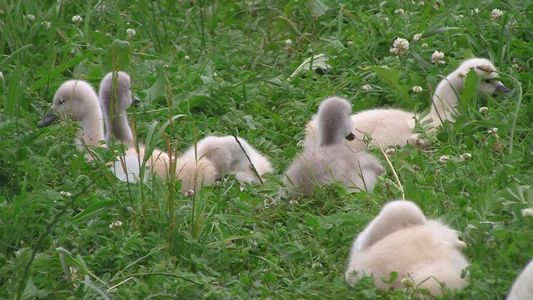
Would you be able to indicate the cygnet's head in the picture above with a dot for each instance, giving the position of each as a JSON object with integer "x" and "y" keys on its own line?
{"x": 117, "y": 84}
{"x": 446, "y": 233}
{"x": 334, "y": 122}
{"x": 76, "y": 100}
{"x": 394, "y": 216}
{"x": 489, "y": 85}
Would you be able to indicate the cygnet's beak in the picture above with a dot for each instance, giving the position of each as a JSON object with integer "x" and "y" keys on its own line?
{"x": 502, "y": 89}
{"x": 48, "y": 119}
{"x": 350, "y": 137}
{"x": 136, "y": 101}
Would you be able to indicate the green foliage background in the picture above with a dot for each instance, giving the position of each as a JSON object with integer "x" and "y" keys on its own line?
{"x": 225, "y": 65}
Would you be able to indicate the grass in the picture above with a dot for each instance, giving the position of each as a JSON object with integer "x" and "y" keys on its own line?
{"x": 225, "y": 66}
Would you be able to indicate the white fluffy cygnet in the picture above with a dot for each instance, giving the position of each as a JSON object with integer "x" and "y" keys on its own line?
{"x": 391, "y": 127}
{"x": 76, "y": 100}
{"x": 522, "y": 288}
{"x": 115, "y": 97}
{"x": 400, "y": 239}
{"x": 229, "y": 158}
{"x": 332, "y": 160}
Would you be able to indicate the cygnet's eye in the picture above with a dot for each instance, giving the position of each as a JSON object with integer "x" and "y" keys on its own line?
{"x": 487, "y": 80}
{"x": 61, "y": 101}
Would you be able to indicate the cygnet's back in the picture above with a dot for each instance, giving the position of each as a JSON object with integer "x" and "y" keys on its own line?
{"x": 333, "y": 161}
{"x": 228, "y": 157}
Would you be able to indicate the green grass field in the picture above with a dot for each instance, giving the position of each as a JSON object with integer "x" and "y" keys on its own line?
{"x": 226, "y": 67}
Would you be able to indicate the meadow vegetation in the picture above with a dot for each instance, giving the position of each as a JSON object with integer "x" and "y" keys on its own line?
{"x": 69, "y": 229}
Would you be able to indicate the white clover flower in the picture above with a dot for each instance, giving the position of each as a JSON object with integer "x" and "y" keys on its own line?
{"x": 268, "y": 202}
{"x": 367, "y": 87}
{"x": 288, "y": 42}
{"x": 66, "y": 194}
{"x": 417, "y": 89}
{"x": 417, "y": 37}
{"x": 496, "y": 14}
{"x": 77, "y": 19}
{"x": 407, "y": 282}
{"x": 461, "y": 16}
{"x": 513, "y": 23}
{"x": 483, "y": 109}
{"x": 475, "y": 11}
{"x": 492, "y": 130}
{"x": 466, "y": 156}
{"x": 527, "y": 213}
{"x": 399, "y": 11}
{"x": 187, "y": 57}
{"x": 386, "y": 20}
{"x": 131, "y": 32}
{"x": 350, "y": 43}
{"x": 424, "y": 45}
{"x": 444, "y": 159}
{"x": 115, "y": 224}
{"x": 30, "y": 17}
{"x": 316, "y": 265}
{"x": 421, "y": 3}
{"x": 189, "y": 193}
{"x": 437, "y": 57}
{"x": 462, "y": 74}
{"x": 47, "y": 24}
{"x": 390, "y": 151}
{"x": 399, "y": 46}
{"x": 293, "y": 202}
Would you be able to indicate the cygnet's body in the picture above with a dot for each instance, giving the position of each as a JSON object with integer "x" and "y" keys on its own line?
{"x": 522, "y": 288}
{"x": 391, "y": 127}
{"x": 76, "y": 100}
{"x": 228, "y": 157}
{"x": 400, "y": 239}
{"x": 332, "y": 160}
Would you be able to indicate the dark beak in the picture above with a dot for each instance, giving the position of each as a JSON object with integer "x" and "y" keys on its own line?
{"x": 48, "y": 119}
{"x": 350, "y": 137}
{"x": 136, "y": 101}
{"x": 502, "y": 89}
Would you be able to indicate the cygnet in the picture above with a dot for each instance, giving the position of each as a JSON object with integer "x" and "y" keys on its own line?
{"x": 391, "y": 127}
{"x": 332, "y": 160}
{"x": 522, "y": 288}
{"x": 400, "y": 239}
{"x": 115, "y": 97}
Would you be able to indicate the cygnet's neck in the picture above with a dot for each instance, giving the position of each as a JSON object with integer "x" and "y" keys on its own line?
{"x": 92, "y": 128}
{"x": 116, "y": 124}
{"x": 446, "y": 98}
{"x": 329, "y": 135}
